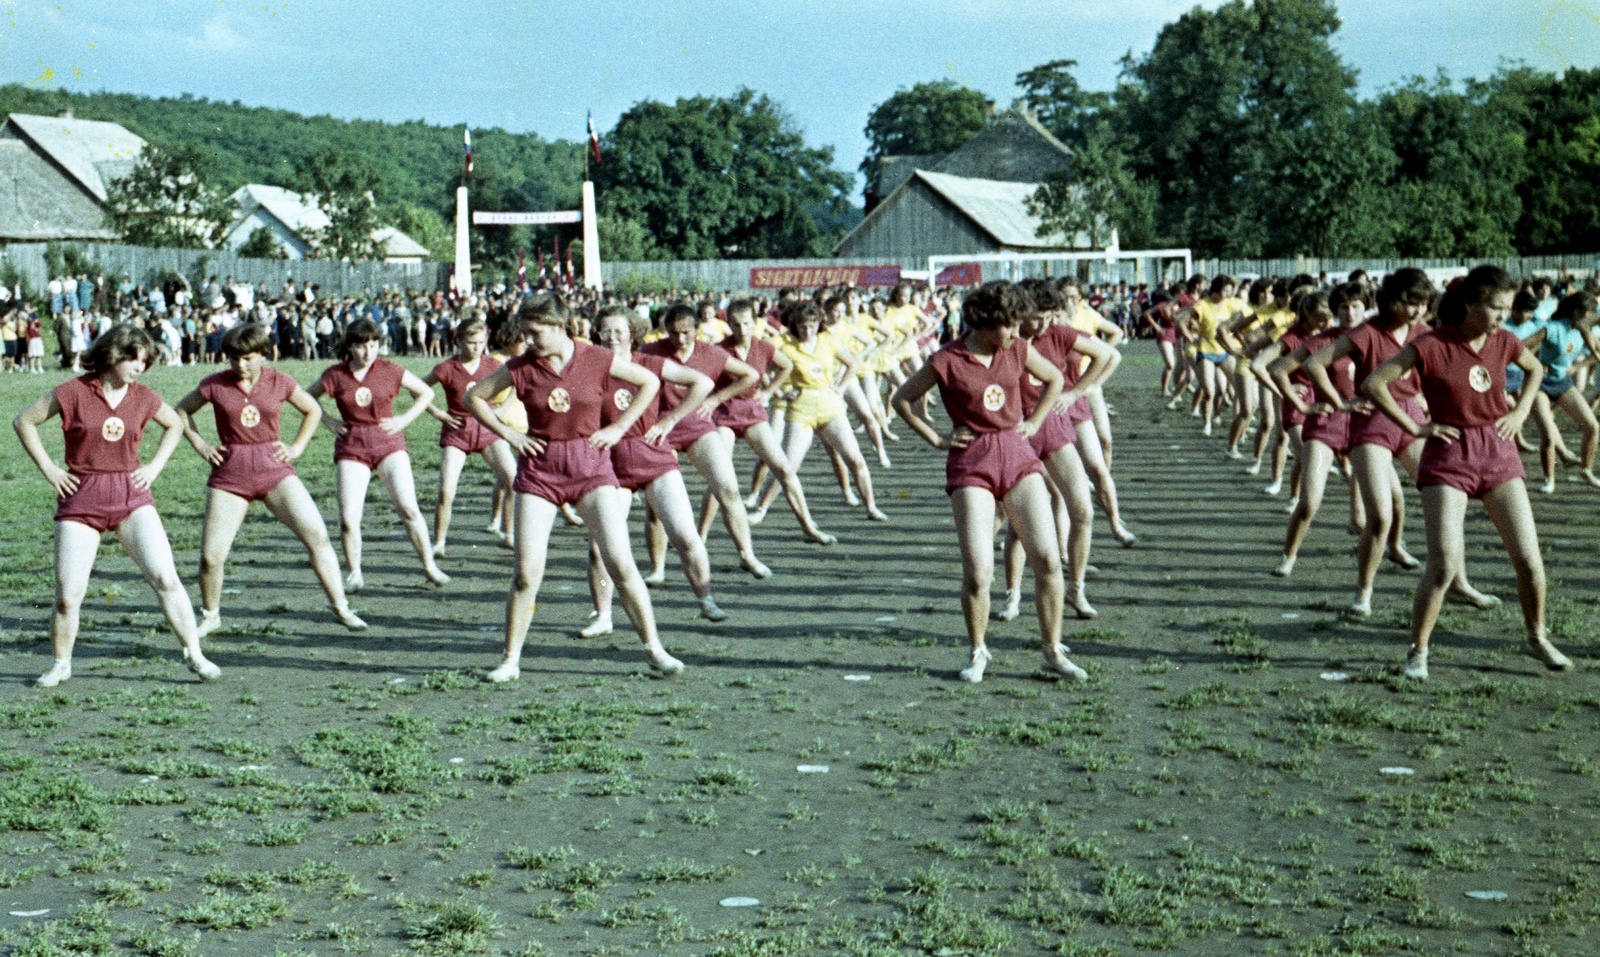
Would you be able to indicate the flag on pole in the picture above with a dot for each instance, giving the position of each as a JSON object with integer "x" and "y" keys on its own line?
{"x": 594, "y": 140}
{"x": 539, "y": 254}
{"x": 555, "y": 261}
{"x": 469, "y": 150}
{"x": 572, "y": 275}
{"x": 522, "y": 270}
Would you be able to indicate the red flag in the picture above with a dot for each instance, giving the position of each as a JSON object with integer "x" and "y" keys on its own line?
{"x": 572, "y": 276}
{"x": 594, "y": 140}
{"x": 555, "y": 260}
{"x": 539, "y": 253}
{"x": 522, "y": 270}
{"x": 469, "y": 150}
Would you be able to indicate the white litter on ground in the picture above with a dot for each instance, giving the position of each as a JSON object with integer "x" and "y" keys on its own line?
{"x": 30, "y": 913}
{"x": 1335, "y": 676}
{"x": 739, "y": 902}
{"x": 812, "y": 769}
{"x": 885, "y": 618}
{"x": 1291, "y": 615}
{"x": 858, "y": 677}
{"x": 1397, "y": 771}
{"x": 1488, "y": 895}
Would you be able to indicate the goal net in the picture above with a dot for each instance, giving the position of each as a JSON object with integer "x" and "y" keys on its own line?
{"x": 1132, "y": 266}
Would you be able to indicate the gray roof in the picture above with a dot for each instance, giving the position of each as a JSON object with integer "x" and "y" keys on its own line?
{"x": 392, "y": 243}
{"x": 92, "y": 152}
{"x": 1013, "y": 146}
{"x": 40, "y": 203}
{"x": 298, "y": 213}
{"x": 998, "y": 207}
{"x": 892, "y": 171}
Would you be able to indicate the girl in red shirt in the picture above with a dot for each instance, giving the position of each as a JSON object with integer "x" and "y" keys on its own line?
{"x": 105, "y": 488}
{"x": 462, "y": 435}
{"x": 371, "y": 438}
{"x": 990, "y": 462}
{"x": 1324, "y": 429}
{"x": 562, "y": 458}
{"x": 645, "y": 463}
{"x": 249, "y": 463}
{"x": 1405, "y": 301}
{"x": 1469, "y": 451}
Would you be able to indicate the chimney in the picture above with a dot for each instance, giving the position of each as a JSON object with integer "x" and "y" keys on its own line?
{"x": 988, "y": 109}
{"x": 66, "y": 114}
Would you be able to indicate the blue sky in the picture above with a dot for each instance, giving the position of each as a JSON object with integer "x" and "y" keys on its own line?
{"x": 537, "y": 66}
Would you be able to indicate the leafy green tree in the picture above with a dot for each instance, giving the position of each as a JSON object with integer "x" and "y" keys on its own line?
{"x": 1244, "y": 118}
{"x": 625, "y": 240}
{"x": 1095, "y": 194}
{"x": 1559, "y": 122}
{"x": 345, "y": 187}
{"x": 709, "y": 177}
{"x": 928, "y": 118}
{"x": 169, "y": 201}
{"x": 426, "y": 227}
{"x": 1061, "y": 105}
{"x": 261, "y": 244}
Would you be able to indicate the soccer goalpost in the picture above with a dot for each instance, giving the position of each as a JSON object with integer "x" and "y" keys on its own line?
{"x": 1132, "y": 266}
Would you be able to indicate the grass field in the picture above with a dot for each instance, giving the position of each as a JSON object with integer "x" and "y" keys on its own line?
{"x": 1209, "y": 791}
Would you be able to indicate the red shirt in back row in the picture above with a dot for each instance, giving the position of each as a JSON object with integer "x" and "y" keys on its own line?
{"x": 1375, "y": 346}
{"x": 758, "y": 358}
{"x": 101, "y": 439}
{"x": 1055, "y": 344}
{"x": 1341, "y": 373}
{"x": 563, "y": 405}
{"x": 247, "y": 418}
{"x": 978, "y": 397}
{"x": 1465, "y": 388}
{"x": 619, "y": 396}
{"x": 368, "y": 400}
{"x": 456, "y": 380}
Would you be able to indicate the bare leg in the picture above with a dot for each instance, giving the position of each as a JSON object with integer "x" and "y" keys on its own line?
{"x": 1065, "y": 468}
{"x": 1376, "y": 481}
{"x": 1102, "y": 423}
{"x": 76, "y": 546}
{"x": 145, "y": 541}
{"x": 669, "y": 502}
{"x": 836, "y": 434}
{"x": 1094, "y": 464}
{"x": 395, "y": 473}
{"x": 451, "y": 460}
{"x": 1513, "y": 518}
{"x": 857, "y": 401}
{"x": 655, "y": 544}
{"x": 535, "y": 517}
{"x": 291, "y": 504}
{"x": 504, "y": 464}
{"x": 761, "y": 438}
{"x": 974, "y": 515}
{"x": 351, "y": 481}
{"x": 1572, "y": 403}
{"x": 605, "y": 512}
{"x": 715, "y": 464}
{"x": 1027, "y": 507}
{"x": 1318, "y": 459}
{"x": 225, "y": 512}
{"x": 1249, "y": 391}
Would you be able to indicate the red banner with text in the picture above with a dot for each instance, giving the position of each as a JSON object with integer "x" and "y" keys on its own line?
{"x": 812, "y": 277}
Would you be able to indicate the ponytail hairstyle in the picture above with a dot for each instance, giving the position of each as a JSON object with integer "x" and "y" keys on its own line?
{"x": 1481, "y": 283}
{"x": 358, "y": 332}
{"x": 1407, "y": 284}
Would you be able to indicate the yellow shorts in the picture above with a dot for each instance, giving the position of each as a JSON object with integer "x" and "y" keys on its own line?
{"x": 1241, "y": 366}
{"x": 814, "y": 408}
{"x": 1191, "y": 350}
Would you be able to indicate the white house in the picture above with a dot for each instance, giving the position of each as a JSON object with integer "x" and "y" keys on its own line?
{"x": 291, "y": 217}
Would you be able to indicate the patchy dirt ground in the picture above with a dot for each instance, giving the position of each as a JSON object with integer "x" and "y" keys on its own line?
{"x": 1209, "y": 791}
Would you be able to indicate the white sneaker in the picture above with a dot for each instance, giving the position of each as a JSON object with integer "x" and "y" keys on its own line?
{"x": 1546, "y": 654}
{"x": 663, "y": 662}
{"x": 1417, "y": 664}
{"x": 209, "y": 621}
{"x": 59, "y": 672}
{"x": 656, "y": 577}
{"x": 973, "y": 672}
{"x": 202, "y": 667}
{"x": 599, "y": 626}
{"x": 1274, "y": 488}
{"x": 1361, "y": 606}
{"x": 755, "y": 568}
{"x": 1057, "y": 662}
{"x": 1012, "y": 607}
{"x": 509, "y": 671}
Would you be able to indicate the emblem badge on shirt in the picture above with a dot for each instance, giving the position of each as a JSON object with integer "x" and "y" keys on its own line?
{"x": 249, "y": 416}
{"x": 622, "y": 398}
{"x": 113, "y": 429}
{"x": 1478, "y": 378}
{"x": 994, "y": 398}
{"x": 817, "y": 371}
{"x": 363, "y": 397}
{"x": 559, "y": 401}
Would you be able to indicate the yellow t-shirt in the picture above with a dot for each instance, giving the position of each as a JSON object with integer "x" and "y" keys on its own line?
{"x": 815, "y": 367}
{"x": 1208, "y": 316}
{"x": 713, "y": 331}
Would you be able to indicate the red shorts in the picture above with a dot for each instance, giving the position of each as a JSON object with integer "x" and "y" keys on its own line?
{"x": 637, "y": 463}
{"x": 996, "y": 461}
{"x": 565, "y": 472}
{"x": 1332, "y": 430}
{"x": 367, "y": 444}
{"x": 250, "y": 471}
{"x": 1378, "y": 429}
{"x": 690, "y": 430}
{"x": 473, "y": 437}
{"x": 1080, "y": 411}
{"x": 739, "y": 415}
{"x": 1478, "y": 462}
{"x": 1291, "y": 415}
{"x": 1167, "y": 334}
{"x": 1057, "y": 432}
{"x": 103, "y": 501}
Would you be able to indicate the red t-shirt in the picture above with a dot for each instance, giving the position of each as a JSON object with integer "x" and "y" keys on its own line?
{"x": 456, "y": 381}
{"x": 562, "y": 405}
{"x": 364, "y": 401}
{"x": 1465, "y": 388}
{"x": 619, "y": 397}
{"x": 706, "y": 359}
{"x": 247, "y": 418}
{"x": 101, "y": 439}
{"x": 759, "y": 358}
{"x": 978, "y": 397}
{"x": 1341, "y": 372}
{"x": 1374, "y": 347}
{"x": 1055, "y": 344}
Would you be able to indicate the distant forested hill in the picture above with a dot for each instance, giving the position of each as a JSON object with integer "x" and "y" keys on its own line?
{"x": 420, "y": 163}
